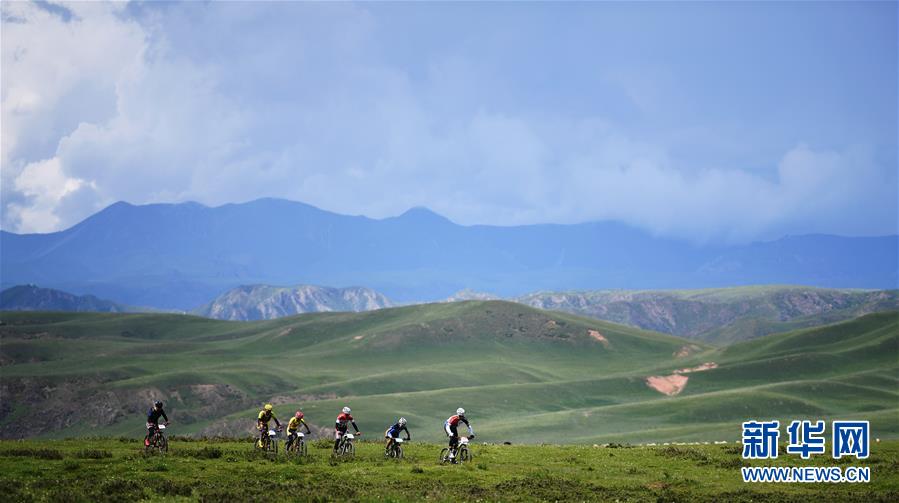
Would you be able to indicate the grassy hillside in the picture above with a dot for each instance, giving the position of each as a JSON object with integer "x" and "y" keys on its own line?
{"x": 211, "y": 471}
{"x": 525, "y": 375}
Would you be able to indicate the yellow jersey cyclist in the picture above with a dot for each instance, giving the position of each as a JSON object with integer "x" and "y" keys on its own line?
{"x": 293, "y": 425}
{"x": 265, "y": 415}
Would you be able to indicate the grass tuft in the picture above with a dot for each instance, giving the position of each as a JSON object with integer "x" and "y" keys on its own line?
{"x": 33, "y": 453}
{"x": 93, "y": 454}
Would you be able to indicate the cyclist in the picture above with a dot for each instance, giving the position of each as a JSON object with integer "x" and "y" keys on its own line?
{"x": 293, "y": 425}
{"x": 340, "y": 427}
{"x": 153, "y": 420}
{"x": 451, "y": 427}
{"x": 265, "y": 415}
{"x": 394, "y": 432}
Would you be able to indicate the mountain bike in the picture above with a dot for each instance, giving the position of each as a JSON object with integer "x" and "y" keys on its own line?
{"x": 268, "y": 443}
{"x": 461, "y": 454}
{"x": 158, "y": 442}
{"x": 395, "y": 450}
{"x": 347, "y": 447}
{"x": 297, "y": 446}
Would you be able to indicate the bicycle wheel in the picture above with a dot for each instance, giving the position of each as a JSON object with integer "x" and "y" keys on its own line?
{"x": 350, "y": 449}
{"x": 444, "y": 453}
{"x": 162, "y": 444}
{"x": 302, "y": 448}
{"x": 398, "y": 452}
{"x": 464, "y": 455}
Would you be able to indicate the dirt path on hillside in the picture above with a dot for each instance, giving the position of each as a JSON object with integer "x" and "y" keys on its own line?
{"x": 673, "y": 384}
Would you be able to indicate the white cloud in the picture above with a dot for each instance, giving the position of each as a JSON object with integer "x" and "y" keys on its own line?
{"x": 303, "y": 105}
{"x": 47, "y": 188}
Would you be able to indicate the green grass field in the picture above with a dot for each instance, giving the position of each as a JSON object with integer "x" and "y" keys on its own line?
{"x": 117, "y": 470}
{"x": 524, "y": 375}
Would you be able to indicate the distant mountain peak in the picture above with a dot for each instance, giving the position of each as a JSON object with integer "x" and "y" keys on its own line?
{"x": 469, "y": 294}
{"x": 423, "y": 214}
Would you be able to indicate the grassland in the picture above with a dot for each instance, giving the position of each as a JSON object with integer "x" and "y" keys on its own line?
{"x": 525, "y": 375}
{"x": 99, "y": 470}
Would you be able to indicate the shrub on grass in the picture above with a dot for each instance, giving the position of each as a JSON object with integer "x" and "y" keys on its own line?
{"x": 93, "y": 454}
{"x": 159, "y": 466}
{"x": 71, "y": 465}
{"x": 685, "y": 453}
{"x": 204, "y": 453}
{"x": 119, "y": 489}
{"x": 166, "y": 487}
{"x": 546, "y": 488}
{"x": 732, "y": 463}
{"x": 12, "y": 490}
{"x": 33, "y": 453}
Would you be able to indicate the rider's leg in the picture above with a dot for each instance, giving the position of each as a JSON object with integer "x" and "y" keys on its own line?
{"x": 453, "y": 441}
{"x": 336, "y": 439}
{"x": 263, "y": 431}
{"x": 149, "y": 434}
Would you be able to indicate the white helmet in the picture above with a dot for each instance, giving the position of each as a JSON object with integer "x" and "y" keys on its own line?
{"x": 346, "y": 410}
{"x": 460, "y": 411}
{"x": 402, "y": 421}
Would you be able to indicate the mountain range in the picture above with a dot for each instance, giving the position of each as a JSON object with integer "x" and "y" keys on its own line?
{"x": 178, "y": 256}
{"x": 34, "y": 298}
{"x": 265, "y": 302}
{"x": 716, "y": 316}
{"x": 720, "y": 315}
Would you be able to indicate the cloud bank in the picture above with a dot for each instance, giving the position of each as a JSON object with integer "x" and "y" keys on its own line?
{"x": 330, "y": 105}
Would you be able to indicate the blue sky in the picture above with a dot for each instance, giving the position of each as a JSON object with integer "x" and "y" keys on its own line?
{"x": 714, "y": 122}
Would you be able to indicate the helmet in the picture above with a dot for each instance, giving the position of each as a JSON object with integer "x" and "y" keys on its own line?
{"x": 299, "y": 414}
{"x": 460, "y": 411}
{"x": 402, "y": 421}
{"x": 268, "y": 407}
{"x": 346, "y": 410}
{"x": 157, "y": 403}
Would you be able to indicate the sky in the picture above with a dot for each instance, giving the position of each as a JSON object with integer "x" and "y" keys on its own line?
{"x": 710, "y": 122}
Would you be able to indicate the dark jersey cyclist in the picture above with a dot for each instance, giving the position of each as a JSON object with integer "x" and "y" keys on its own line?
{"x": 153, "y": 416}
{"x": 341, "y": 426}
{"x": 394, "y": 432}
{"x": 451, "y": 428}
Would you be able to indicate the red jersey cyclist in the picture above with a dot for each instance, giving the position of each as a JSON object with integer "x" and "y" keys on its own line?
{"x": 341, "y": 426}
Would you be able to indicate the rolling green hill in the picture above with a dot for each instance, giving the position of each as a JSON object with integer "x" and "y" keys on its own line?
{"x": 525, "y": 375}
